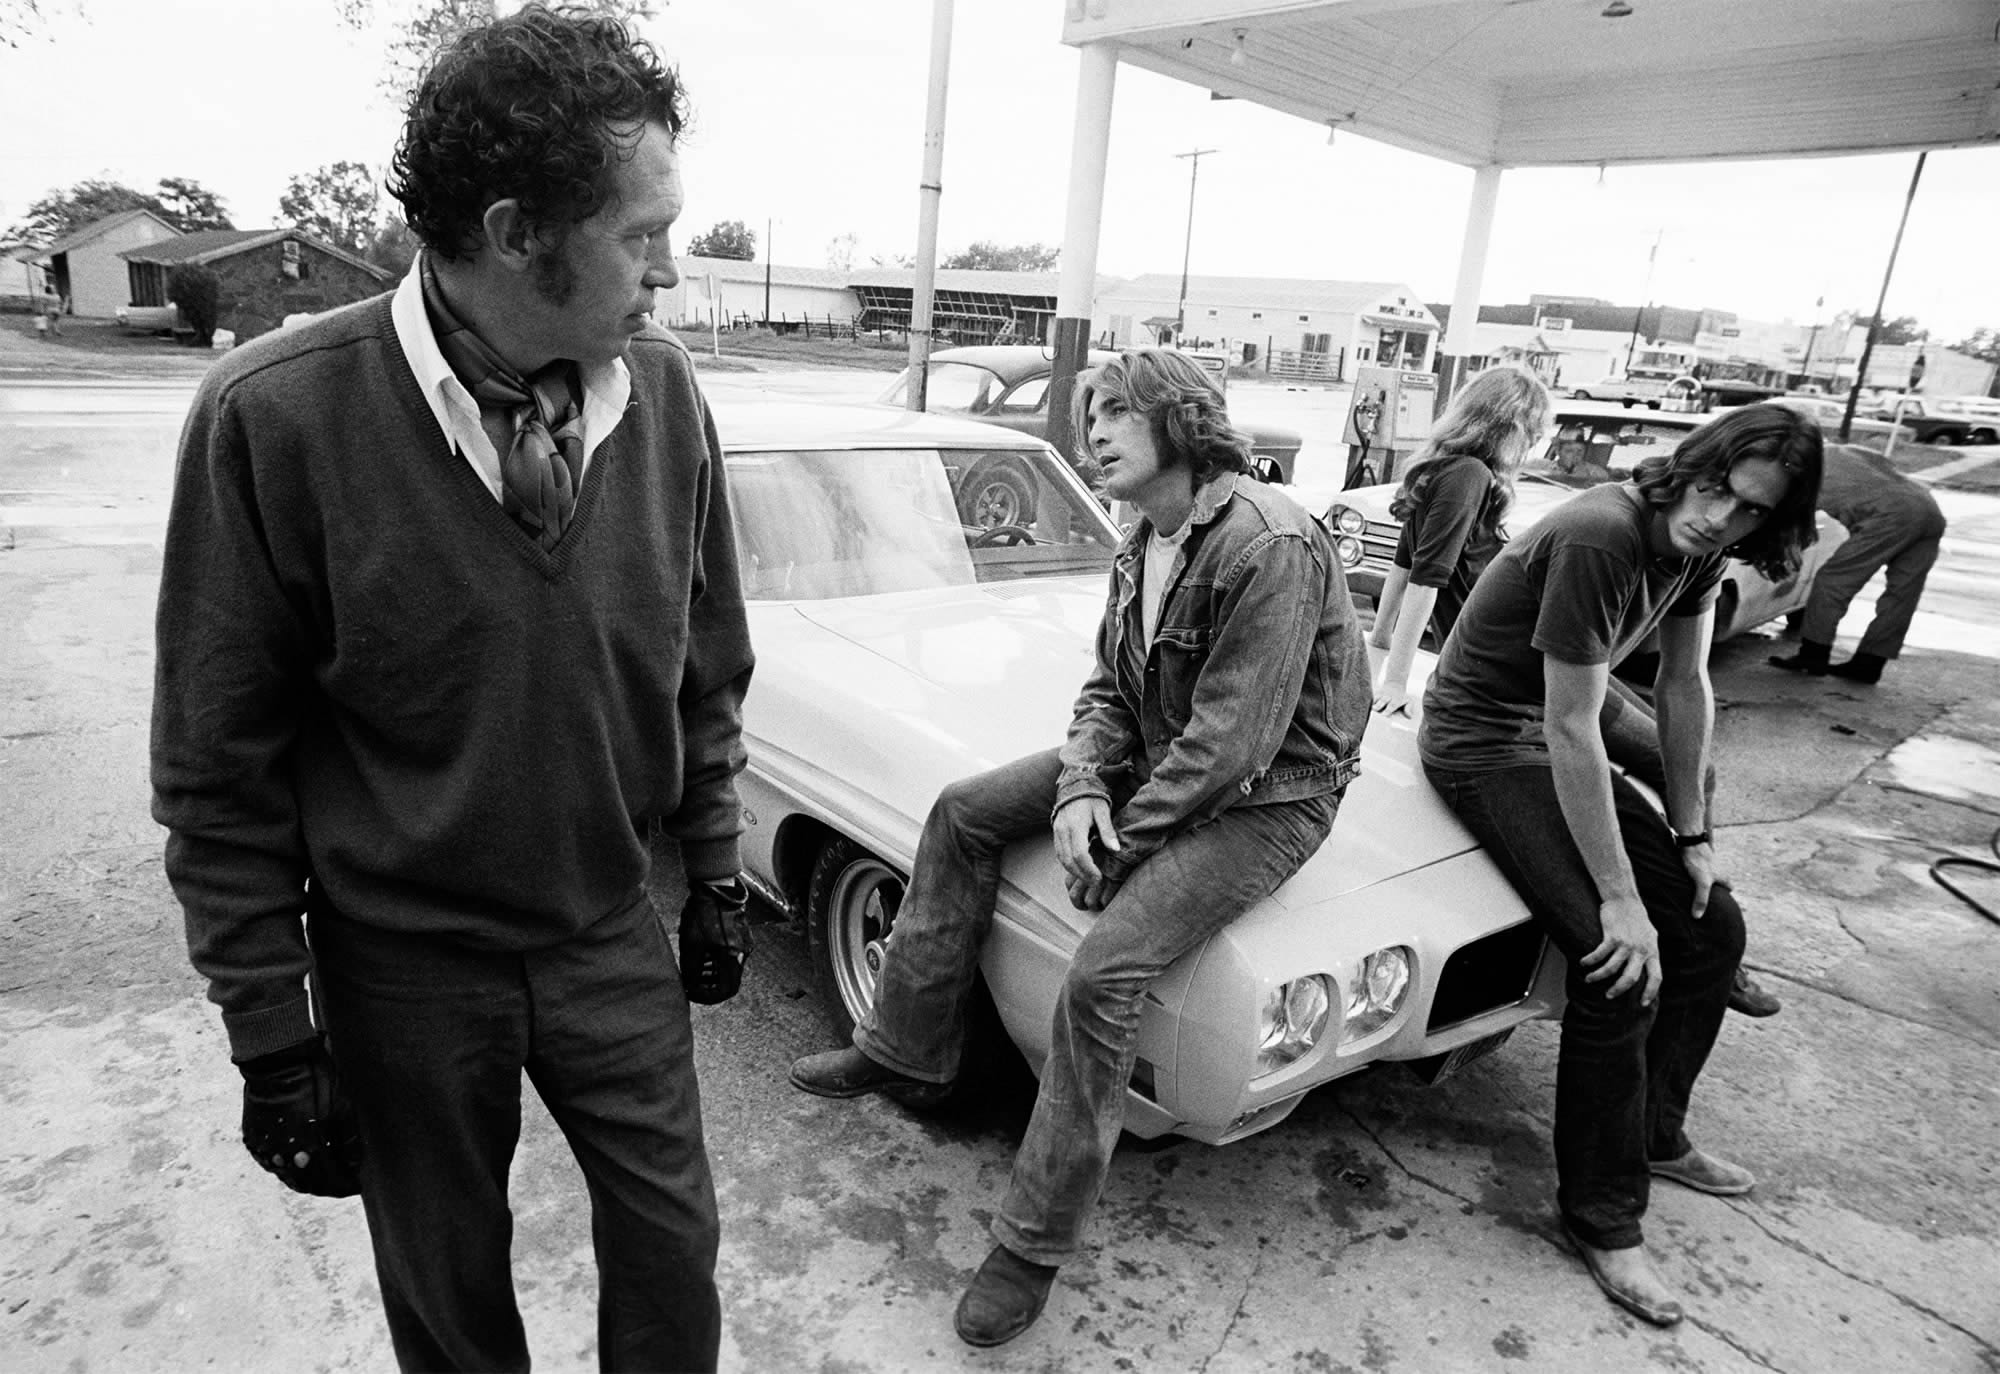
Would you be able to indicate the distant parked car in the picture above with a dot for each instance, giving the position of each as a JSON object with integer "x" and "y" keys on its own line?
{"x": 150, "y": 319}
{"x": 1955, "y": 420}
{"x": 1008, "y": 384}
{"x": 1591, "y": 444}
{"x": 1829, "y": 411}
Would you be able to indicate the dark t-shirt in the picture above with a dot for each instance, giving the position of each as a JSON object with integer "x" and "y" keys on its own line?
{"x": 1445, "y": 544}
{"x": 1581, "y": 586}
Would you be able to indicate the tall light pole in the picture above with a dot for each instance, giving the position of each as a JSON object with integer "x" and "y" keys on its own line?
{"x": 767, "y": 273}
{"x": 1187, "y": 251}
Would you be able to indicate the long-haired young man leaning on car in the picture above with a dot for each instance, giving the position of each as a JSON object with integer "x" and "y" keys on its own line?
{"x": 1209, "y": 750}
{"x": 1512, "y": 739}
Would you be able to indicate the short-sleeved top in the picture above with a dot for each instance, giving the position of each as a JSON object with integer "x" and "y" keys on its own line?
{"x": 1446, "y": 542}
{"x": 1582, "y": 586}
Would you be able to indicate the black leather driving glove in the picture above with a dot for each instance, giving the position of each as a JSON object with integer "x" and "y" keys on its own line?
{"x": 298, "y": 1124}
{"x": 714, "y": 940}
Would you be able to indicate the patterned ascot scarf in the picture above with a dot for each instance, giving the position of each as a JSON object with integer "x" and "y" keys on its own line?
{"x": 543, "y": 468}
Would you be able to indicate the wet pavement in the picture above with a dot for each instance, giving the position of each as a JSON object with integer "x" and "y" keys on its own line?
{"x": 1384, "y": 1226}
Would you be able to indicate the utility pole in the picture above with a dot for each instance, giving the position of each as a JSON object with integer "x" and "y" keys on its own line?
{"x": 1194, "y": 169}
{"x": 1652, "y": 260}
{"x": 767, "y": 273}
{"x": 1875, "y": 324}
{"x": 930, "y": 194}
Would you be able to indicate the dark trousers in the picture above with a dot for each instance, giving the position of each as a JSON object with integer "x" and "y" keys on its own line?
{"x": 1624, "y": 1072}
{"x": 432, "y": 1038}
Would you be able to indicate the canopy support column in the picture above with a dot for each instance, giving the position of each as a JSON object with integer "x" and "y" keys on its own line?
{"x": 1459, "y": 333}
{"x": 1090, "y": 146}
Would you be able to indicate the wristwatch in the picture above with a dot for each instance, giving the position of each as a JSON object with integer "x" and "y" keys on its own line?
{"x": 1690, "y": 841}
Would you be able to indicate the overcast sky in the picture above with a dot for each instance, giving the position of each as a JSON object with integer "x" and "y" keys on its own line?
{"x": 810, "y": 114}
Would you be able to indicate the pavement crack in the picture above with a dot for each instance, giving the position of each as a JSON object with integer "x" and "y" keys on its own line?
{"x": 1711, "y": 1329}
{"x": 1409, "y": 1173}
{"x": 1987, "y": 1349}
{"x": 1236, "y": 1310}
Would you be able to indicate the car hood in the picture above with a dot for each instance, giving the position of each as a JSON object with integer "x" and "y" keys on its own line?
{"x": 871, "y": 705}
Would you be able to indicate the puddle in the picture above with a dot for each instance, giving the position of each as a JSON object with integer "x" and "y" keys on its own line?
{"x": 1947, "y": 768}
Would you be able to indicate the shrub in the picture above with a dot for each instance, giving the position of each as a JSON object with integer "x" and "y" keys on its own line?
{"x": 197, "y": 290}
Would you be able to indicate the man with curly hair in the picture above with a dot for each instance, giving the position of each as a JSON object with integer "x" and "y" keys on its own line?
{"x": 1513, "y": 737}
{"x": 1209, "y": 751}
{"x": 449, "y": 621}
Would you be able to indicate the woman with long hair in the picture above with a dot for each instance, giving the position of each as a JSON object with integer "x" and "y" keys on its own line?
{"x": 1452, "y": 502}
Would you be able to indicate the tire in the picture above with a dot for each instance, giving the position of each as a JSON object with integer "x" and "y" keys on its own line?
{"x": 1985, "y": 436}
{"x": 994, "y": 492}
{"x": 1939, "y": 438}
{"x": 851, "y": 903}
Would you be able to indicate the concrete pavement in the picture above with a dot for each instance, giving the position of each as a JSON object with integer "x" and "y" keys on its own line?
{"x": 1383, "y": 1227}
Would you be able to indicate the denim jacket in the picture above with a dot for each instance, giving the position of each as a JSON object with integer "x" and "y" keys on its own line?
{"x": 1256, "y": 686}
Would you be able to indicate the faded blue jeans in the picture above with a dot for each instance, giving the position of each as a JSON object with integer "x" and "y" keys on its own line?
{"x": 1624, "y": 1072}
{"x": 1194, "y": 885}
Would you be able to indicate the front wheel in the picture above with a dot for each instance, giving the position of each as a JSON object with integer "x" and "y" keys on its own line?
{"x": 851, "y": 903}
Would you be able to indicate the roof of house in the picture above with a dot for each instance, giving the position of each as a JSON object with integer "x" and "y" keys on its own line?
{"x": 738, "y": 269}
{"x": 210, "y": 244}
{"x": 97, "y": 228}
{"x": 1270, "y": 293}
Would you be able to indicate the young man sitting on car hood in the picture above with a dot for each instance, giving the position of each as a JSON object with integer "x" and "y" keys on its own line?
{"x": 1210, "y": 748}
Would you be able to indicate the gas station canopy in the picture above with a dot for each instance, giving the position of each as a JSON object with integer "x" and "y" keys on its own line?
{"x": 1521, "y": 83}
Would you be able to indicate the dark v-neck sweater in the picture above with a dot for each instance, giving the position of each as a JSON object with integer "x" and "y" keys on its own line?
{"x": 371, "y": 678}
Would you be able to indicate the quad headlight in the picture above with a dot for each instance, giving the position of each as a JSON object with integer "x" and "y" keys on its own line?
{"x": 1346, "y": 519}
{"x": 1297, "y": 1015}
{"x": 1293, "y": 1019}
{"x": 1379, "y": 992}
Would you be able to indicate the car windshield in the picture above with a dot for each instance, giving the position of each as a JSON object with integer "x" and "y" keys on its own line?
{"x": 955, "y": 388}
{"x": 1589, "y": 450}
{"x": 814, "y": 524}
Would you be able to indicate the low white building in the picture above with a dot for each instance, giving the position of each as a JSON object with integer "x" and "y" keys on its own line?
{"x": 731, "y": 291}
{"x": 1384, "y": 324}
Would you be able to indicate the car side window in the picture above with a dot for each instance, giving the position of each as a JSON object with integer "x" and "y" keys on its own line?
{"x": 1025, "y": 399}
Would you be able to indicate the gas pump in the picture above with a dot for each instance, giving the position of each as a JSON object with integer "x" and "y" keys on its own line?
{"x": 1388, "y": 419}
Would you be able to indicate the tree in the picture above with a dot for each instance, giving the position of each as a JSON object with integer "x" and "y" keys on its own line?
{"x": 725, "y": 239}
{"x": 986, "y": 256}
{"x": 422, "y": 27}
{"x": 338, "y": 204}
{"x": 1982, "y": 343}
{"x": 1904, "y": 329}
{"x": 191, "y": 207}
{"x": 22, "y": 19}
{"x": 394, "y": 246}
{"x": 840, "y": 251}
{"x": 182, "y": 202}
{"x": 197, "y": 290}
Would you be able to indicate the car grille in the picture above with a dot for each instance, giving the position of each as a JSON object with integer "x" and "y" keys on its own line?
{"x": 1378, "y": 544}
{"x": 1493, "y": 971}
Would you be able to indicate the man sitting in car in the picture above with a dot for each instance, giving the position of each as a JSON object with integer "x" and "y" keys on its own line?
{"x": 1210, "y": 748}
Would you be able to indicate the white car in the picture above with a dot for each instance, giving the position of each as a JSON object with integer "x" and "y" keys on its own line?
{"x": 900, "y": 647}
{"x": 1589, "y": 445}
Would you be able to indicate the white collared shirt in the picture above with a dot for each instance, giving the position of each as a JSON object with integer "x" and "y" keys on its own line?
{"x": 606, "y": 388}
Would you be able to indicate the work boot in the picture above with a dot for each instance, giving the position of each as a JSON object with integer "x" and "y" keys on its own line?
{"x": 1749, "y": 998}
{"x": 850, "y": 1073}
{"x": 1811, "y": 658}
{"x": 1865, "y": 669}
{"x": 1005, "y": 1297}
